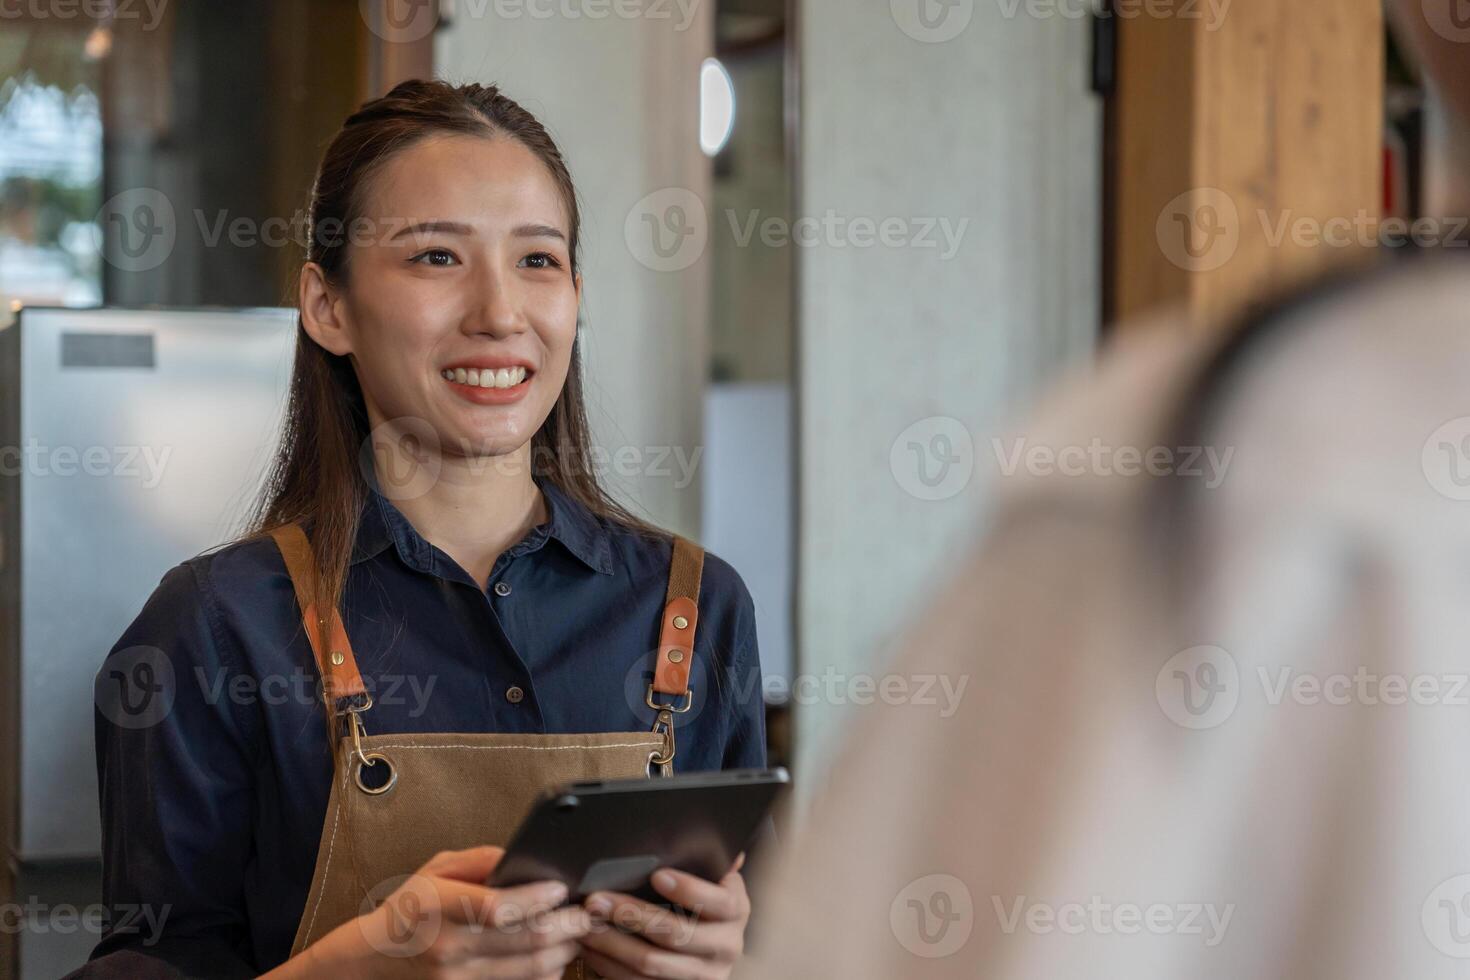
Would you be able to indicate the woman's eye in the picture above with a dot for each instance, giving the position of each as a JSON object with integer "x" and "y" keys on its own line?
{"x": 543, "y": 260}
{"x": 436, "y": 256}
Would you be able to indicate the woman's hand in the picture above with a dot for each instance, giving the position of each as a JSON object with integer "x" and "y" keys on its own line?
{"x": 645, "y": 940}
{"x": 443, "y": 922}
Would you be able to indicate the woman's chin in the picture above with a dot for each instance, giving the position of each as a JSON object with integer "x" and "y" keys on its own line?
{"x": 495, "y": 442}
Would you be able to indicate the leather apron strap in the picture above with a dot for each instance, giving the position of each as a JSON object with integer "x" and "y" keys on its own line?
{"x": 676, "y": 647}
{"x": 681, "y": 617}
{"x": 336, "y": 663}
{"x": 343, "y": 683}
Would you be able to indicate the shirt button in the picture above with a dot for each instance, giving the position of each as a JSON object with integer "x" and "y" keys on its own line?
{"x": 502, "y": 588}
{"x": 514, "y": 695}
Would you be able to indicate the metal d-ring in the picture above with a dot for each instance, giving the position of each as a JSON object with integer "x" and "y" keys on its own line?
{"x": 656, "y": 706}
{"x": 372, "y": 759}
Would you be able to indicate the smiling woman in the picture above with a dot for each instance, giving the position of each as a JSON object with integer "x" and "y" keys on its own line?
{"x": 429, "y": 518}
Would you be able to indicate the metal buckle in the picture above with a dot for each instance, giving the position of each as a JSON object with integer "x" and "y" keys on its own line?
{"x": 364, "y": 760}
{"x": 664, "y": 725}
{"x": 351, "y": 702}
{"x": 688, "y": 701}
{"x": 358, "y": 731}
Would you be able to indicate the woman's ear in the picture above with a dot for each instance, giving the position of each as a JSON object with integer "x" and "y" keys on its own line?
{"x": 322, "y": 311}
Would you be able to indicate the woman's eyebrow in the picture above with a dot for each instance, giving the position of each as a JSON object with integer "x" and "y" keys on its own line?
{"x": 538, "y": 231}
{"x": 429, "y": 227}
{"x": 459, "y": 228}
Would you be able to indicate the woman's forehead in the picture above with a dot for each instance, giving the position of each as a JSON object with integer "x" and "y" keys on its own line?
{"x": 487, "y": 183}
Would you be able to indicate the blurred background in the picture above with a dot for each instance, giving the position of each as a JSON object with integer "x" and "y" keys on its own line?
{"x": 831, "y": 250}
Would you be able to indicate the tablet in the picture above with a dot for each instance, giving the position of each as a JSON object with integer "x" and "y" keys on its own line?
{"x": 611, "y": 836}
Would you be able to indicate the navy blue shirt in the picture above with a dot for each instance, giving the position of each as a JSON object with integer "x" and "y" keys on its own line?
{"x": 214, "y": 768}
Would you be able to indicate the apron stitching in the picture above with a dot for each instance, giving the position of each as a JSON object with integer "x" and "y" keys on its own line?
{"x": 331, "y": 844}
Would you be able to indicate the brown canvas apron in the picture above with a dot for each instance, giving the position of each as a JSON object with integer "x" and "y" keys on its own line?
{"x": 450, "y": 791}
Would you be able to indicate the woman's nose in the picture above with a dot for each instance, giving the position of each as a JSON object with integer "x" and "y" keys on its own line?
{"x": 496, "y": 308}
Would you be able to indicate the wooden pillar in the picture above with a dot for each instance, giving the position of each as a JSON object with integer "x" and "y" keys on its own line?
{"x": 398, "y": 36}
{"x": 1240, "y": 141}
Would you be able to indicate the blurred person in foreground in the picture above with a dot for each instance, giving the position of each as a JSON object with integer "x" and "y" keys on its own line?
{"x": 1209, "y": 732}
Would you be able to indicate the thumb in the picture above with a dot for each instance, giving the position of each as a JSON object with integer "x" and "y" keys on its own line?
{"x": 473, "y": 864}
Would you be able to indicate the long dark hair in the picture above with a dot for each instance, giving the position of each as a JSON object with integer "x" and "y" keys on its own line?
{"x": 316, "y": 477}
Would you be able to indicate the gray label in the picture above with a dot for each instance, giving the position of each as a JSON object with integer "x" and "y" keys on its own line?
{"x": 107, "y": 350}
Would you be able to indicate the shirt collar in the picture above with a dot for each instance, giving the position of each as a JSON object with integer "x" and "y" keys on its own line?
{"x": 570, "y": 522}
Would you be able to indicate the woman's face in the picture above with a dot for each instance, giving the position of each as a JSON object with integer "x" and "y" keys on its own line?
{"x": 460, "y": 308}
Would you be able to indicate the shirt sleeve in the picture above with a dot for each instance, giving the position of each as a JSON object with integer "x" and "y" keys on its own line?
{"x": 745, "y": 748}
{"x": 176, "y": 793}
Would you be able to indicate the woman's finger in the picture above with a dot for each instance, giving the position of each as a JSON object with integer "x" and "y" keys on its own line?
{"x": 471, "y": 864}
{"x": 723, "y": 901}
{"x": 549, "y": 962}
{"x": 642, "y": 957}
{"x": 560, "y": 927}
{"x": 451, "y": 900}
{"x": 665, "y": 927}
{"x": 610, "y": 968}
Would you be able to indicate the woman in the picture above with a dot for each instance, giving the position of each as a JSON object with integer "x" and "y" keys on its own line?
{"x": 494, "y": 623}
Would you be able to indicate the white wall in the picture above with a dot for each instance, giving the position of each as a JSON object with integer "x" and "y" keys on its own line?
{"x": 996, "y": 125}
{"x": 621, "y": 98}
{"x": 747, "y": 506}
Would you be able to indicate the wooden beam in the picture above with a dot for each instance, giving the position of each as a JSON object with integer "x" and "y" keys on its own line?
{"x": 1239, "y": 142}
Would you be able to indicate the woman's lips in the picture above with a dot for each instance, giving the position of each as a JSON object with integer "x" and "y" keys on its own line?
{"x": 487, "y": 386}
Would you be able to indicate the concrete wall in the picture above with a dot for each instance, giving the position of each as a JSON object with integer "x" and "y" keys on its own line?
{"x": 621, "y": 97}
{"x": 988, "y": 121}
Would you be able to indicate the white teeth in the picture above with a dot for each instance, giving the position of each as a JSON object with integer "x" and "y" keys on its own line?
{"x": 501, "y": 378}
